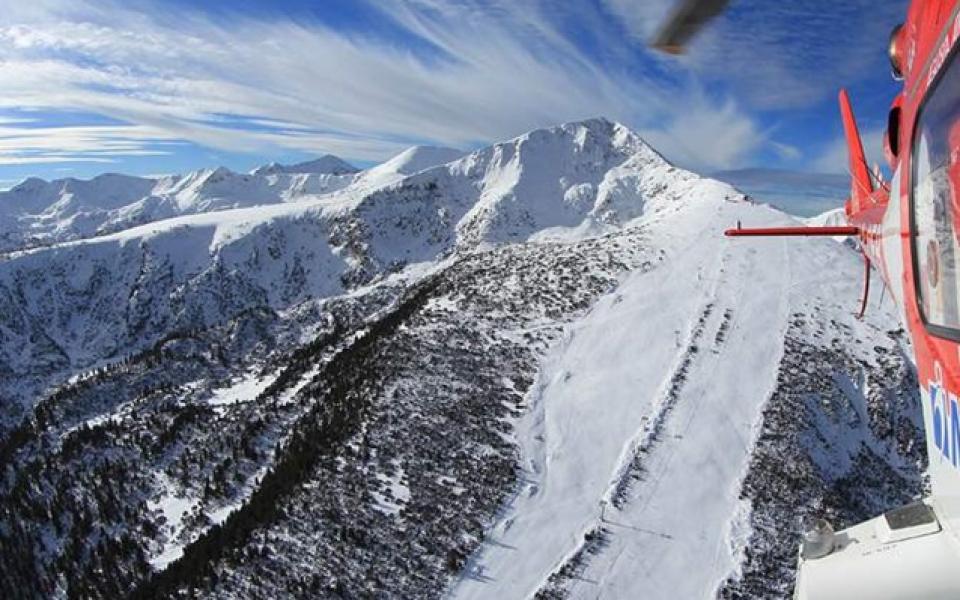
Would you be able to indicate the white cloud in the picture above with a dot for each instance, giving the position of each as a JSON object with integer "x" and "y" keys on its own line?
{"x": 504, "y": 69}
{"x": 40, "y": 145}
{"x": 14, "y": 121}
{"x": 786, "y": 151}
{"x": 709, "y": 137}
{"x": 53, "y": 158}
{"x": 6, "y": 184}
{"x": 835, "y": 158}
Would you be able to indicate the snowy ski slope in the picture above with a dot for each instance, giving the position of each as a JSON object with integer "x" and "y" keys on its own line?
{"x": 651, "y": 406}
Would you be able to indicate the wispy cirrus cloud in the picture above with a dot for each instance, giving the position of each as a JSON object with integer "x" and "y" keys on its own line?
{"x": 477, "y": 72}
{"x": 448, "y": 72}
{"x": 39, "y": 145}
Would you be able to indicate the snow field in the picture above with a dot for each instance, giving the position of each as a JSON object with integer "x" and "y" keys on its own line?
{"x": 650, "y": 407}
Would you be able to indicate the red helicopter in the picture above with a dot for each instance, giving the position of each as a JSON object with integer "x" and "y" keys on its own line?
{"x": 909, "y": 229}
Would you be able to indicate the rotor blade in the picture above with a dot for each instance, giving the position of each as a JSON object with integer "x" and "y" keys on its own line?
{"x": 685, "y": 22}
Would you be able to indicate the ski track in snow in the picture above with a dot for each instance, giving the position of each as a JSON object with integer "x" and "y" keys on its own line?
{"x": 605, "y": 424}
{"x": 672, "y": 512}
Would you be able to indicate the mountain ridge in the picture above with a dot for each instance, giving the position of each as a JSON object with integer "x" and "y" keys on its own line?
{"x": 484, "y": 197}
{"x": 327, "y": 164}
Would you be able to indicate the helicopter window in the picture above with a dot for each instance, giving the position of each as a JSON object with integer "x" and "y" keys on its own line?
{"x": 936, "y": 202}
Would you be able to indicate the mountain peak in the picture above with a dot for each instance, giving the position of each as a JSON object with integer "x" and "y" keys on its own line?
{"x": 599, "y": 123}
{"x": 220, "y": 172}
{"x": 28, "y": 184}
{"x": 327, "y": 164}
{"x": 419, "y": 158}
{"x": 592, "y": 132}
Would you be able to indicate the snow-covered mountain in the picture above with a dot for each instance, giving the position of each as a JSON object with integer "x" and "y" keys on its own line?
{"x": 534, "y": 369}
{"x": 193, "y": 271}
{"x": 415, "y": 159}
{"x": 40, "y": 213}
{"x": 327, "y": 164}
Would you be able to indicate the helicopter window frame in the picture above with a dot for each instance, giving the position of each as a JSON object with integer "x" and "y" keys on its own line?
{"x": 939, "y": 330}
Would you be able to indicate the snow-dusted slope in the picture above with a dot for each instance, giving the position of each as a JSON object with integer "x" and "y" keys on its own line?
{"x": 415, "y": 159}
{"x": 427, "y": 381}
{"x": 836, "y": 217}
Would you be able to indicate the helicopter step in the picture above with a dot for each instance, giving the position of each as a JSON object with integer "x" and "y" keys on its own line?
{"x": 868, "y": 560}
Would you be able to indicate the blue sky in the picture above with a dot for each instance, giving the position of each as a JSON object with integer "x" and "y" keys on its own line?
{"x": 151, "y": 87}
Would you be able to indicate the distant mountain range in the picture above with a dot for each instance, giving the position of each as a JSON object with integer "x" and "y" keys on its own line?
{"x": 39, "y": 213}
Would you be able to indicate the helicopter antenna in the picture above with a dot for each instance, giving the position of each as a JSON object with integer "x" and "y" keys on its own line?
{"x": 863, "y": 188}
{"x": 875, "y": 176}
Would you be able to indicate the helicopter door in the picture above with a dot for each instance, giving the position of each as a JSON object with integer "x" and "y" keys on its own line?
{"x": 936, "y": 204}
